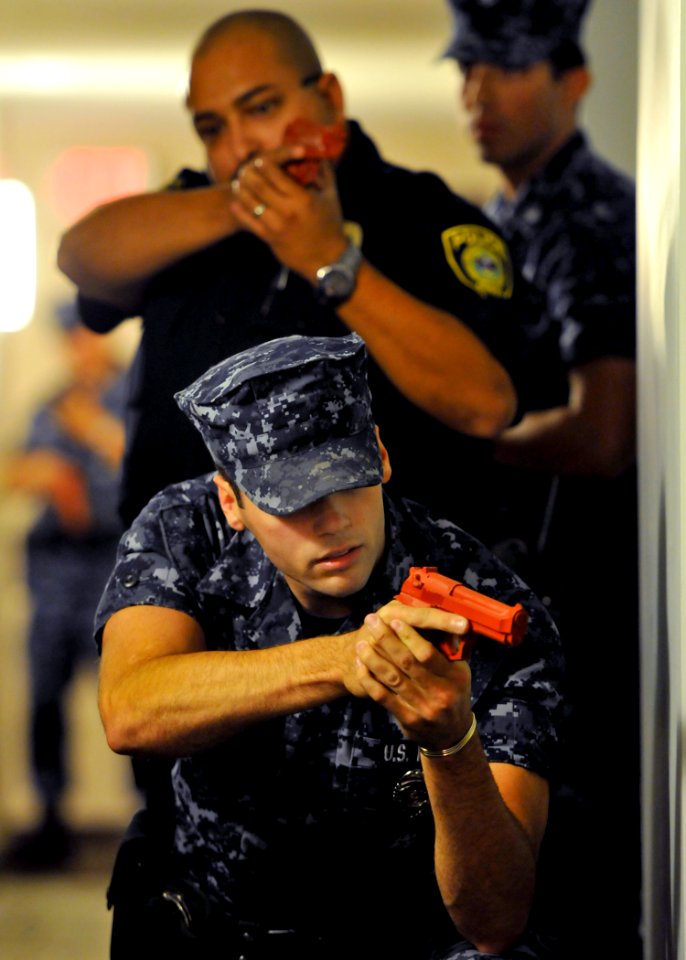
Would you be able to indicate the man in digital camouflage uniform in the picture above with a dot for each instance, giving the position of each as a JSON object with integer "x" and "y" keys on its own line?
{"x": 249, "y": 631}
{"x": 568, "y": 491}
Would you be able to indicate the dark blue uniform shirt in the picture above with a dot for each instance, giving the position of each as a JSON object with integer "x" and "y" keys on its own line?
{"x": 304, "y": 819}
{"x": 571, "y": 232}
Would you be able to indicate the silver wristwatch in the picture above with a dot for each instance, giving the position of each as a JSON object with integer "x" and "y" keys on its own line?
{"x": 336, "y": 281}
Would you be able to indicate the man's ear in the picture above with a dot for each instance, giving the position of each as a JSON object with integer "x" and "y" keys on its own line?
{"x": 577, "y": 82}
{"x": 385, "y": 459}
{"x": 228, "y": 503}
{"x": 329, "y": 87}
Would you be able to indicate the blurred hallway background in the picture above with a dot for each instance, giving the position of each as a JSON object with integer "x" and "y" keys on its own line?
{"x": 60, "y": 915}
{"x": 91, "y": 95}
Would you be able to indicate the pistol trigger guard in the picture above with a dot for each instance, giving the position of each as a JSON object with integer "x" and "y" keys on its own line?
{"x": 458, "y": 648}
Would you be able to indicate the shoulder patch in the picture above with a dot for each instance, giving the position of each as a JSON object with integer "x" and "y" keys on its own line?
{"x": 479, "y": 259}
{"x": 353, "y": 232}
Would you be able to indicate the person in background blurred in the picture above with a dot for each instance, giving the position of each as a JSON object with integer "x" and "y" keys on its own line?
{"x": 70, "y": 464}
{"x": 568, "y": 489}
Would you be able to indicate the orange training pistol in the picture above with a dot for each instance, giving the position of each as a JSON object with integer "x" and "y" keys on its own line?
{"x": 426, "y": 587}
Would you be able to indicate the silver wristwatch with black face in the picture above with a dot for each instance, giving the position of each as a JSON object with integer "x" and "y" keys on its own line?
{"x": 336, "y": 281}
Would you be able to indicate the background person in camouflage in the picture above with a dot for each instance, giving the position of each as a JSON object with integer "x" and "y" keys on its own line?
{"x": 249, "y": 631}
{"x": 69, "y": 464}
{"x": 567, "y": 490}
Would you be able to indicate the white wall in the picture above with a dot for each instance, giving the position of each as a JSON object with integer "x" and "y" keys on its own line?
{"x": 611, "y": 41}
{"x": 662, "y": 450}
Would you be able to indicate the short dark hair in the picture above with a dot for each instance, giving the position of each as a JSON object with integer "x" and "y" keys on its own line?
{"x": 567, "y": 56}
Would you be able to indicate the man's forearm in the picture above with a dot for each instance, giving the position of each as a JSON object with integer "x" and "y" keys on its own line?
{"x": 116, "y": 248}
{"x": 549, "y": 440}
{"x": 488, "y": 820}
{"x": 182, "y": 703}
{"x": 559, "y": 440}
{"x": 485, "y": 865}
{"x": 431, "y": 356}
{"x": 593, "y": 435}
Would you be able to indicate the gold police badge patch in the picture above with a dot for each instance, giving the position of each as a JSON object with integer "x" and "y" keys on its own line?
{"x": 479, "y": 259}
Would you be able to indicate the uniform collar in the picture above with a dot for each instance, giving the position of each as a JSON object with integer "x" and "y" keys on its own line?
{"x": 547, "y": 180}
{"x": 242, "y": 574}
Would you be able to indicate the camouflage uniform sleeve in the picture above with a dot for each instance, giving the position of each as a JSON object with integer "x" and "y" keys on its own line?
{"x": 519, "y": 712}
{"x": 147, "y": 570}
{"x": 586, "y": 256}
{"x": 592, "y": 296}
{"x": 517, "y": 692}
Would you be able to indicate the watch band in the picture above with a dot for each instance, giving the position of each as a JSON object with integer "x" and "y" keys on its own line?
{"x": 336, "y": 281}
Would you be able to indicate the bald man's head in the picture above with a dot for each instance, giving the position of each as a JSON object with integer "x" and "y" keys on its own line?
{"x": 253, "y": 74}
{"x": 290, "y": 39}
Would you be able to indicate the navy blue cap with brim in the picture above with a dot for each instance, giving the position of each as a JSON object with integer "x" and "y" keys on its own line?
{"x": 513, "y": 34}
{"x": 290, "y": 420}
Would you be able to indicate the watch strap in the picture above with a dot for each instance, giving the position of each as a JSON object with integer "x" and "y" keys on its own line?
{"x": 336, "y": 281}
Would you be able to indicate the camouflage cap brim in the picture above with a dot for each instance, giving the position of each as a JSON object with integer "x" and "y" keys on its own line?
{"x": 290, "y": 483}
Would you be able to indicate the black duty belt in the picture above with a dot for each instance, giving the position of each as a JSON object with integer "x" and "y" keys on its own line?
{"x": 222, "y": 938}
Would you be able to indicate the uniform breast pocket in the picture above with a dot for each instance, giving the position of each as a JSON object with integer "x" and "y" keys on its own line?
{"x": 369, "y": 770}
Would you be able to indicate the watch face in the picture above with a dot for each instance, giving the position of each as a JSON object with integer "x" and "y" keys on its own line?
{"x": 336, "y": 283}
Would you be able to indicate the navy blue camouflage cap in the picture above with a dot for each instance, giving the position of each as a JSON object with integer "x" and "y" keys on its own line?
{"x": 290, "y": 420}
{"x": 513, "y": 33}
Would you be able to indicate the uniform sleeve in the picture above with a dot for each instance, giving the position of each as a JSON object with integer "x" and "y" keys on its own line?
{"x": 102, "y": 317}
{"x": 517, "y": 691}
{"x": 592, "y": 296}
{"x": 445, "y": 251}
{"x": 584, "y": 259}
{"x": 98, "y": 316}
{"x": 146, "y": 572}
{"x": 519, "y": 712}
